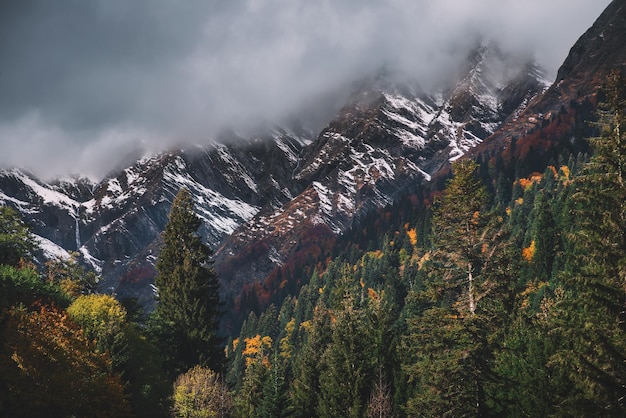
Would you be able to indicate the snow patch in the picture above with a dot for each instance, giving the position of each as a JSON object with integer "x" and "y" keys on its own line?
{"x": 241, "y": 171}
{"x": 95, "y": 263}
{"x": 48, "y": 195}
{"x": 219, "y": 212}
{"x": 51, "y": 251}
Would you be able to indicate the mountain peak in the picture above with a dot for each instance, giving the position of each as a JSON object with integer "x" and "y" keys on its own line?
{"x": 601, "y": 46}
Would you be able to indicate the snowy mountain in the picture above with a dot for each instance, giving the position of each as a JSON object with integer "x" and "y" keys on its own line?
{"x": 115, "y": 225}
{"x": 267, "y": 198}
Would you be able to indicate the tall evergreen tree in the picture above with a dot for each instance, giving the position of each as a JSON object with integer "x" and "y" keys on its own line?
{"x": 450, "y": 345}
{"x": 188, "y": 310}
{"x": 590, "y": 319}
{"x": 346, "y": 364}
{"x": 305, "y": 387}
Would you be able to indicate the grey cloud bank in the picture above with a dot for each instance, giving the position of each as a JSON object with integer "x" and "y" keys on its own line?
{"x": 84, "y": 82}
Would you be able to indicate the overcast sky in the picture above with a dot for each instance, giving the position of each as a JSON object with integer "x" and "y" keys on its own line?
{"x": 84, "y": 81}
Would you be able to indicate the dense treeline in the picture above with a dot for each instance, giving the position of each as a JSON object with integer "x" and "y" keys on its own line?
{"x": 501, "y": 298}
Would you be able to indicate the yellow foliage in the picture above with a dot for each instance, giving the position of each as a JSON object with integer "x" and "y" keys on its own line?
{"x": 98, "y": 315}
{"x": 520, "y": 201}
{"x": 508, "y": 211}
{"x": 48, "y": 351}
{"x": 533, "y": 178}
{"x": 70, "y": 287}
{"x": 566, "y": 172}
{"x": 372, "y": 294}
{"x": 200, "y": 393}
{"x": 235, "y": 343}
{"x": 553, "y": 169}
{"x": 375, "y": 254}
{"x": 252, "y": 345}
{"x": 266, "y": 341}
{"x": 285, "y": 346}
{"x": 422, "y": 260}
{"x": 412, "y": 233}
{"x": 529, "y": 252}
{"x": 256, "y": 347}
{"x": 291, "y": 325}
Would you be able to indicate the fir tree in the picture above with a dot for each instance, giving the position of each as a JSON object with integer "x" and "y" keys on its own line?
{"x": 450, "y": 345}
{"x": 346, "y": 364}
{"x": 188, "y": 309}
{"x": 590, "y": 317}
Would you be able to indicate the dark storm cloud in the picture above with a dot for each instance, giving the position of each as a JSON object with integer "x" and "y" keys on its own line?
{"x": 82, "y": 82}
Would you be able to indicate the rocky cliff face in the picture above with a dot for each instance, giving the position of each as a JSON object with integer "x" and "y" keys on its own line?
{"x": 267, "y": 199}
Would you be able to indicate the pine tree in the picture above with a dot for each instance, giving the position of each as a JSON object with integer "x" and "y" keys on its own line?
{"x": 305, "y": 386}
{"x": 545, "y": 239}
{"x": 450, "y": 345}
{"x": 457, "y": 227}
{"x": 590, "y": 318}
{"x": 188, "y": 309}
{"x": 346, "y": 365}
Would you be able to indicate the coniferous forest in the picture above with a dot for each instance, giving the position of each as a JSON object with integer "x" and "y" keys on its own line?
{"x": 503, "y": 294}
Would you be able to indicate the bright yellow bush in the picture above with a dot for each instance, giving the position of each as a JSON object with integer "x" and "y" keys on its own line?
{"x": 200, "y": 393}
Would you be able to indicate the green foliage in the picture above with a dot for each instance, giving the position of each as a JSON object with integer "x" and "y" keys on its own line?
{"x": 305, "y": 386}
{"x": 25, "y": 286}
{"x": 104, "y": 322}
{"x": 396, "y": 329}
{"x": 85, "y": 361}
{"x": 346, "y": 364}
{"x": 16, "y": 242}
{"x": 589, "y": 318}
{"x": 188, "y": 309}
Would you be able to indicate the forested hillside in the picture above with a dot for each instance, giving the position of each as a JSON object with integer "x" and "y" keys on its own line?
{"x": 492, "y": 298}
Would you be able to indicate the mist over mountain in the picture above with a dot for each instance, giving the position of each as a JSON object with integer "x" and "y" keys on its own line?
{"x": 85, "y": 83}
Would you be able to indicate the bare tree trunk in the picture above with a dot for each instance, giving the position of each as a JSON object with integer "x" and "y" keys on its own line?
{"x": 472, "y": 302}
{"x": 380, "y": 404}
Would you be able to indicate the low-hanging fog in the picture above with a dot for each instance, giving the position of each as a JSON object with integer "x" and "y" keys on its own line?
{"x": 84, "y": 82}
